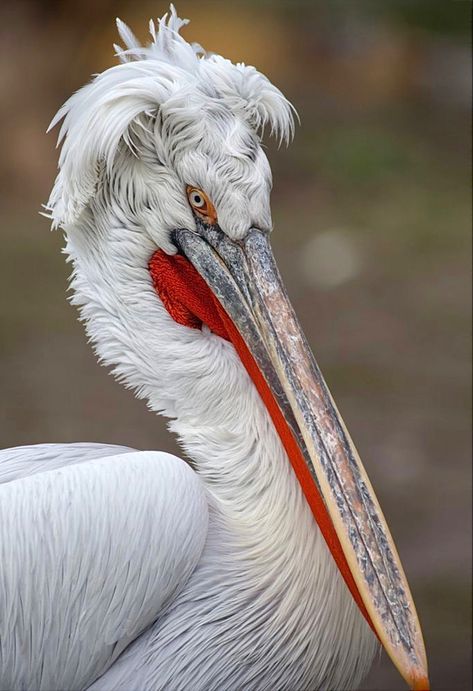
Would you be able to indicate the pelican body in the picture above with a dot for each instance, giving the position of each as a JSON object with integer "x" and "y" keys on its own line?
{"x": 266, "y": 564}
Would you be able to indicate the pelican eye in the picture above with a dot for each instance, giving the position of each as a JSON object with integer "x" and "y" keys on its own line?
{"x": 201, "y": 204}
{"x": 196, "y": 199}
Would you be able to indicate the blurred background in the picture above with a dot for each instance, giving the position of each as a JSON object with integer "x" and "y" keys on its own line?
{"x": 371, "y": 207}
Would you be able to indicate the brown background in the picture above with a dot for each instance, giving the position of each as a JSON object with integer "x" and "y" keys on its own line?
{"x": 372, "y": 209}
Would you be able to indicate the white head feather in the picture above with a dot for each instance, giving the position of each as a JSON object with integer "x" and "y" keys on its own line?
{"x": 177, "y": 116}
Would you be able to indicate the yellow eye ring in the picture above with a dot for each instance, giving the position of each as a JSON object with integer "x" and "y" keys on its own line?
{"x": 201, "y": 205}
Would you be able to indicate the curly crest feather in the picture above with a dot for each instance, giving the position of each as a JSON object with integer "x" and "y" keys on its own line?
{"x": 170, "y": 90}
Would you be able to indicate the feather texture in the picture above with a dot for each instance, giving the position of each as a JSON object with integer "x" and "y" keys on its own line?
{"x": 175, "y": 90}
{"x": 22, "y": 461}
{"x": 106, "y": 544}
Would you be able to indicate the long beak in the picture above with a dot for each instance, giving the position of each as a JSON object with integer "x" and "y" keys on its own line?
{"x": 245, "y": 280}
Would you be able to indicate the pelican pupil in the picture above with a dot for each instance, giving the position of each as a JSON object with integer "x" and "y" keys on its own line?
{"x": 197, "y": 199}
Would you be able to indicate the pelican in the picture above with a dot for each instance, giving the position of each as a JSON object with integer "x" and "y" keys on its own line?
{"x": 263, "y": 564}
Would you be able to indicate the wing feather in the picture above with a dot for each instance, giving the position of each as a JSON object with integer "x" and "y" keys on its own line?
{"x": 90, "y": 554}
{"x": 21, "y": 461}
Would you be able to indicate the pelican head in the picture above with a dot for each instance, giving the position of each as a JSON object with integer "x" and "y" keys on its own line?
{"x": 164, "y": 195}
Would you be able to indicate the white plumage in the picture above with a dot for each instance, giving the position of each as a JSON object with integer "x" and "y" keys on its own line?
{"x": 220, "y": 576}
{"x": 83, "y": 580}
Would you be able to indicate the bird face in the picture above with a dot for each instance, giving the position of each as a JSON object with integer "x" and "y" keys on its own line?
{"x": 227, "y": 169}
{"x": 168, "y": 145}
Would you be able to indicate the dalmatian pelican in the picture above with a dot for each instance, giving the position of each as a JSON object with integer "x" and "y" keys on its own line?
{"x": 265, "y": 563}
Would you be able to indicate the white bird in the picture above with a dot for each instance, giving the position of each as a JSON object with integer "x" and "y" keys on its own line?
{"x": 268, "y": 564}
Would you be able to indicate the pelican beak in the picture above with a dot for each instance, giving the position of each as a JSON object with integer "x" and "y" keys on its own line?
{"x": 244, "y": 279}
